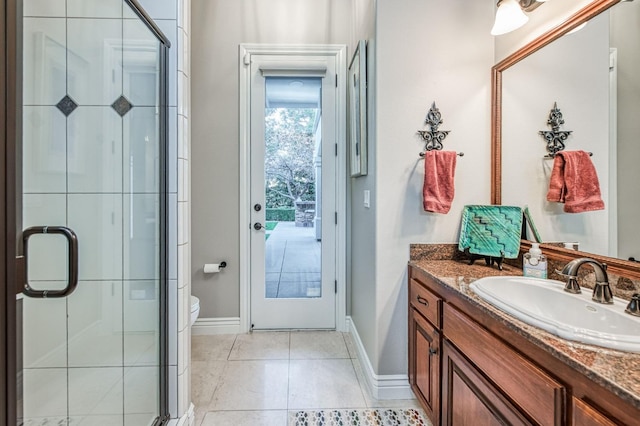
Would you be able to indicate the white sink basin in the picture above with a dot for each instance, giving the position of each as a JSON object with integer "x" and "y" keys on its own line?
{"x": 544, "y": 304}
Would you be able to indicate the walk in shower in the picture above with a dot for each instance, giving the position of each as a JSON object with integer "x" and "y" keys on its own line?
{"x": 93, "y": 166}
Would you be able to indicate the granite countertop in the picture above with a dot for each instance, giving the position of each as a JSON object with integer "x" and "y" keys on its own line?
{"x": 615, "y": 370}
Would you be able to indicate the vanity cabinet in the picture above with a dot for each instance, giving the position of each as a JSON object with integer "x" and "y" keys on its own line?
{"x": 466, "y": 366}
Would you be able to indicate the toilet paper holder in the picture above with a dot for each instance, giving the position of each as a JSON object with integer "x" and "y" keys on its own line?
{"x": 212, "y": 268}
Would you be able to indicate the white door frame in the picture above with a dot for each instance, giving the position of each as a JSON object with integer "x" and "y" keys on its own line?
{"x": 245, "y": 54}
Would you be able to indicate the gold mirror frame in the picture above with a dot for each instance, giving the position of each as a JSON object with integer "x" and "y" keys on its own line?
{"x": 621, "y": 267}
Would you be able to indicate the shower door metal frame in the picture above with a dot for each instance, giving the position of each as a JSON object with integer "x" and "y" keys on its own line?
{"x": 165, "y": 44}
{"x": 10, "y": 194}
{"x": 10, "y": 123}
{"x": 164, "y": 220}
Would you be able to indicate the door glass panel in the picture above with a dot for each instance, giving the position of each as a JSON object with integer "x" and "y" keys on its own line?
{"x": 293, "y": 190}
{"x": 91, "y": 162}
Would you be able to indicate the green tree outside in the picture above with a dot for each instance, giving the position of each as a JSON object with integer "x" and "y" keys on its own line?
{"x": 289, "y": 156}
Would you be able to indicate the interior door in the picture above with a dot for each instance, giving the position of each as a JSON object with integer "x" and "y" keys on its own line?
{"x": 293, "y": 192}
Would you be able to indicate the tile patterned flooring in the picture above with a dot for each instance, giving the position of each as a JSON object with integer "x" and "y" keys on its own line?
{"x": 257, "y": 379}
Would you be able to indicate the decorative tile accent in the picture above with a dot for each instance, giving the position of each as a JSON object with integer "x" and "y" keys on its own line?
{"x": 491, "y": 230}
{"x": 122, "y": 105}
{"x": 396, "y": 417}
{"x": 67, "y": 105}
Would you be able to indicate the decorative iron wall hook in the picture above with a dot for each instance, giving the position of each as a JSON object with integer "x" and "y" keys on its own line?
{"x": 433, "y": 137}
{"x": 555, "y": 137}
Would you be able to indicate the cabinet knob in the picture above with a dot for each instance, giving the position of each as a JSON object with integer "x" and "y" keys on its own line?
{"x": 422, "y": 301}
{"x": 433, "y": 351}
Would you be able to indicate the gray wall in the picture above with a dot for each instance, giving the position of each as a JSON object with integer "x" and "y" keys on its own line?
{"x": 219, "y": 27}
{"x": 426, "y": 51}
{"x": 361, "y": 233}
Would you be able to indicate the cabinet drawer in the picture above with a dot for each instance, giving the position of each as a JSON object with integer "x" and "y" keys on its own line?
{"x": 539, "y": 396}
{"x": 427, "y": 303}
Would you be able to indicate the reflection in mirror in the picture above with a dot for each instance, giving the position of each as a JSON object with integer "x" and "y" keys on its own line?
{"x": 592, "y": 73}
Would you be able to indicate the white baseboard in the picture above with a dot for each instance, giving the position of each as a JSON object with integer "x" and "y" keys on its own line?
{"x": 210, "y": 326}
{"x": 390, "y": 386}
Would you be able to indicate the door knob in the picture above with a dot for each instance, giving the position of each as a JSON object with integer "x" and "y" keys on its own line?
{"x": 258, "y": 226}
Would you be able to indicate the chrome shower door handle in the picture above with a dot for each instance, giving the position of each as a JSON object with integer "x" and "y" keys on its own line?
{"x": 72, "y": 240}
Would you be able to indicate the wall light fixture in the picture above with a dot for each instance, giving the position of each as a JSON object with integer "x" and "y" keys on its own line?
{"x": 510, "y": 15}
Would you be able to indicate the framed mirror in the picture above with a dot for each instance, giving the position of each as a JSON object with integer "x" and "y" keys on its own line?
{"x": 572, "y": 65}
{"x": 357, "y": 95}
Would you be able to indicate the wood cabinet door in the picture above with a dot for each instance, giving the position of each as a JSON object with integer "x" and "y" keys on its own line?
{"x": 532, "y": 390}
{"x": 469, "y": 399}
{"x": 424, "y": 364}
{"x": 586, "y": 415}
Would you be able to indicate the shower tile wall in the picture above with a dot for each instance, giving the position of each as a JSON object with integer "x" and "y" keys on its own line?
{"x": 93, "y": 356}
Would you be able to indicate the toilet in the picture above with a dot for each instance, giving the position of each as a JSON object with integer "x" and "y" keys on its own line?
{"x": 195, "y": 309}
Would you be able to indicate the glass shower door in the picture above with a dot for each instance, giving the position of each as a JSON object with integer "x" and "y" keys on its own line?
{"x": 93, "y": 151}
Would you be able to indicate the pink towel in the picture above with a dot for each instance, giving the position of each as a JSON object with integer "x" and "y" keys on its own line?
{"x": 574, "y": 182}
{"x": 438, "y": 189}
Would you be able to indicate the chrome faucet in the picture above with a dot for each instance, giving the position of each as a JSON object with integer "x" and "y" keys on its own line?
{"x": 601, "y": 291}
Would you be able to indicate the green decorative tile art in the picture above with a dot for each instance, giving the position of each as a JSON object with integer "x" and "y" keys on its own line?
{"x": 491, "y": 231}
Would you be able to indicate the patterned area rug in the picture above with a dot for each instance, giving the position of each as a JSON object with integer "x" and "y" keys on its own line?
{"x": 380, "y": 417}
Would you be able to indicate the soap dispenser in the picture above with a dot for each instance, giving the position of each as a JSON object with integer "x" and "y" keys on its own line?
{"x": 534, "y": 262}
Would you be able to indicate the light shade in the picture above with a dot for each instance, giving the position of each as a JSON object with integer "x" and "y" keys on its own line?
{"x": 578, "y": 28}
{"x": 509, "y": 17}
